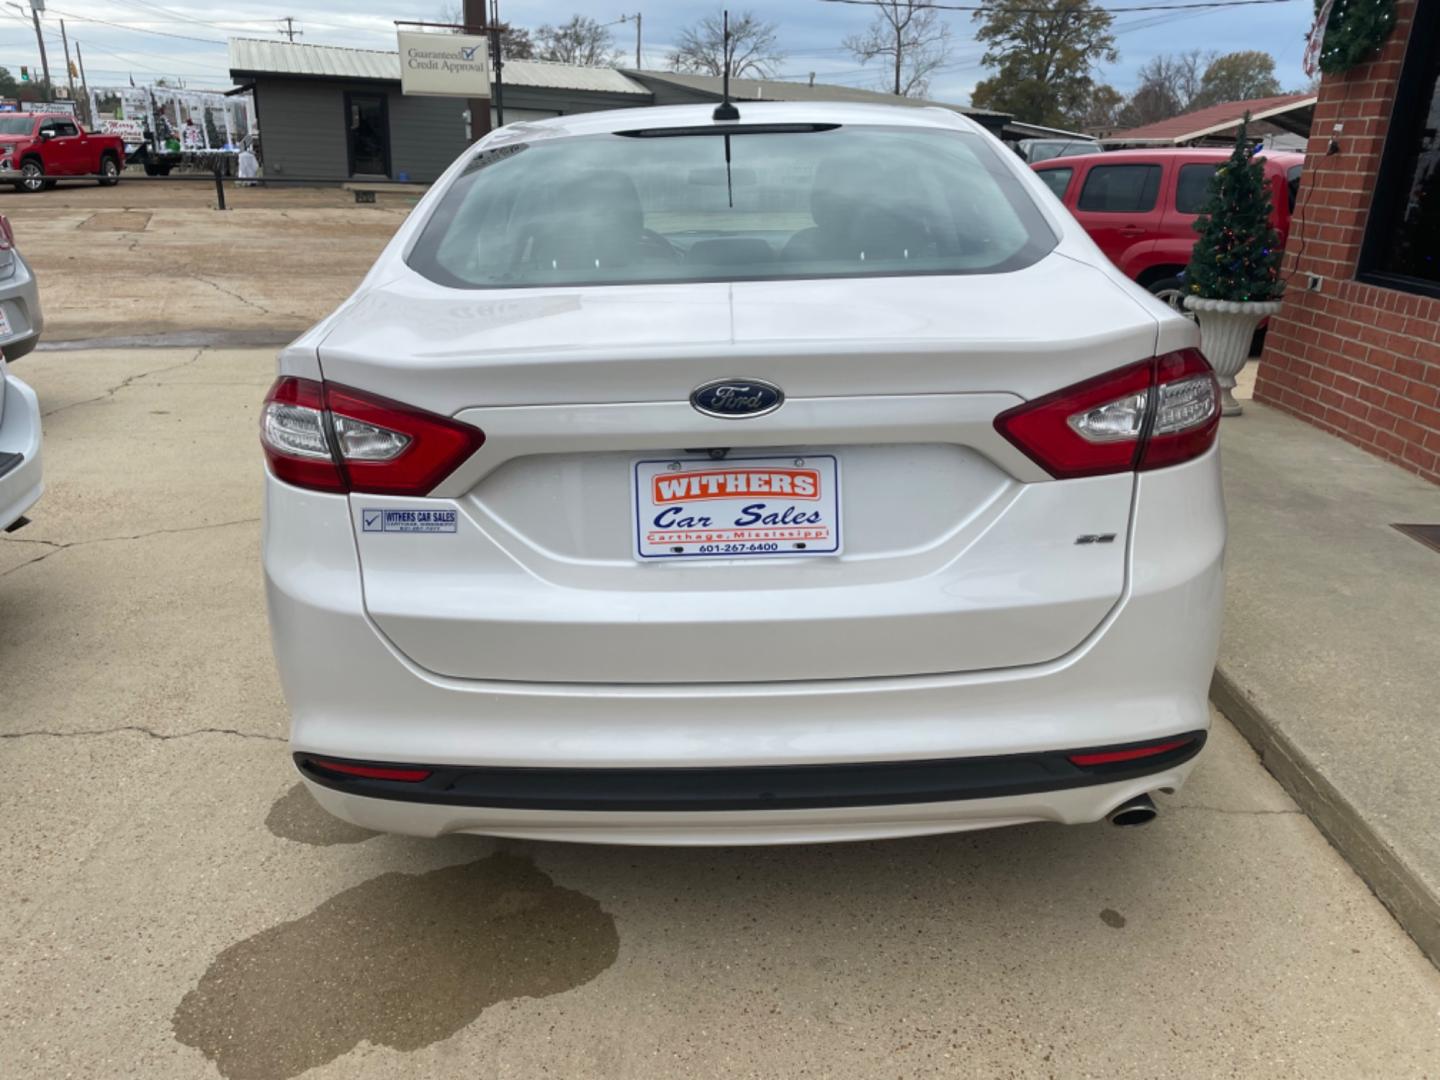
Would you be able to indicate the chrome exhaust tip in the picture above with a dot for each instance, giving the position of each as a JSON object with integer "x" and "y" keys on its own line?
{"x": 1140, "y": 810}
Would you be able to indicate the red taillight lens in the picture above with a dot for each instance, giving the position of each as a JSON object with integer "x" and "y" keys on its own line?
{"x": 1155, "y": 413}
{"x": 7, "y": 234}
{"x": 333, "y": 438}
{"x": 370, "y": 772}
{"x": 389, "y": 448}
{"x": 1129, "y": 753}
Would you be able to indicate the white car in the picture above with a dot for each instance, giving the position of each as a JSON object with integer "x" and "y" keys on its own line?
{"x": 810, "y": 476}
{"x": 20, "y": 482}
{"x": 21, "y": 320}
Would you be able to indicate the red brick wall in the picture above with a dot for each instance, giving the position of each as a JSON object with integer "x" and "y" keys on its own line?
{"x": 1359, "y": 361}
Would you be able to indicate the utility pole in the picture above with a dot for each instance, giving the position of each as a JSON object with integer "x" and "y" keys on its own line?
{"x": 69, "y": 67}
{"x": 44, "y": 60}
{"x": 495, "y": 29}
{"x": 90, "y": 118}
{"x": 289, "y": 29}
{"x": 637, "y": 17}
{"x": 475, "y": 23}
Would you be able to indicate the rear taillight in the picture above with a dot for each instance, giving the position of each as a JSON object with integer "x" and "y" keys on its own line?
{"x": 331, "y": 438}
{"x": 1116, "y": 755}
{"x": 1155, "y": 413}
{"x": 403, "y": 774}
{"x": 7, "y": 234}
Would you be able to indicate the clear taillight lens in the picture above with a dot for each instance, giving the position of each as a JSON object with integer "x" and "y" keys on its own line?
{"x": 1156, "y": 413}
{"x": 332, "y": 438}
{"x": 292, "y": 431}
{"x": 295, "y": 431}
{"x": 360, "y": 441}
{"x": 1115, "y": 421}
{"x": 1187, "y": 412}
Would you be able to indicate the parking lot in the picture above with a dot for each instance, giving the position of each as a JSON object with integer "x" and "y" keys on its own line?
{"x": 176, "y": 906}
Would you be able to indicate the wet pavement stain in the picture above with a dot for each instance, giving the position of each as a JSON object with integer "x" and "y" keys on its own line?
{"x": 297, "y": 816}
{"x": 403, "y": 960}
{"x": 1111, "y": 917}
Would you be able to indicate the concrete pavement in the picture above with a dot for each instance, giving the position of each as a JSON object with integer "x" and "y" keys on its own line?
{"x": 175, "y": 907}
{"x": 1332, "y": 633}
{"x": 155, "y": 258}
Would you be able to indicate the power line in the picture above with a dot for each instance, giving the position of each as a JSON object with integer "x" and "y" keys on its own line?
{"x": 144, "y": 66}
{"x": 170, "y": 15}
{"x": 135, "y": 29}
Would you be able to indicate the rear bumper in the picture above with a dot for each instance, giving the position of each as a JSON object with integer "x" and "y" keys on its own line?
{"x": 757, "y": 787}
{"x": 20, "y": 301}
{"x": 1143, "y": 674}
{"x": 20, "y": 473}
{"x": 700, "y": 828}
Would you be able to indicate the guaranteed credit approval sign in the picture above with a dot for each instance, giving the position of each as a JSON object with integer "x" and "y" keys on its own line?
{"x": 444, "y": 65}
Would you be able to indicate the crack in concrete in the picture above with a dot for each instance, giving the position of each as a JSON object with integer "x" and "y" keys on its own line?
{"x": 231, "y": 293}
{"x": 56, "y": 547}
{"x": 125, "y": 383}
{"x": 23, "y": 540}
{"x": 139, "y": 730}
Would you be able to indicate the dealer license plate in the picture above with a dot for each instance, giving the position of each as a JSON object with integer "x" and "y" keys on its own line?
{"x": 737, "y": 508}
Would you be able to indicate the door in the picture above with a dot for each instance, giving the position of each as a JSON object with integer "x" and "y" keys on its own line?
{"x": 1119, "y": 206}
{"x": 367, "y": 134}
{"x": 64, "y": 151}
{"x": 1182, "y": 202}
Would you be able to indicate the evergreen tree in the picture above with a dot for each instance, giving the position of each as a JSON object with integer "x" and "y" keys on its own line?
{"x": 1237, "y": 256}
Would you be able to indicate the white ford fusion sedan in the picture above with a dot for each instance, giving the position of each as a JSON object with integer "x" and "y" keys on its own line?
{"x": 810, "y": 476}
{"x": 20, "y": 479}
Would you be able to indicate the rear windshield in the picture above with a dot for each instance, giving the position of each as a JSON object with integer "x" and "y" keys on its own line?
{"x": 617, "y": 209}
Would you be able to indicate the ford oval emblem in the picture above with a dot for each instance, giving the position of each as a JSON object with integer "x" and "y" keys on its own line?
{"x": 737, "y": 399}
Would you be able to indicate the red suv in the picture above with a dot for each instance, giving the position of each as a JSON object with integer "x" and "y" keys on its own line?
{"x": 1140, "y": 205}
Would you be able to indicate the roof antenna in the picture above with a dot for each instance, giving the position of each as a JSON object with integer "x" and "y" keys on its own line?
{"x": 725, "y": 110}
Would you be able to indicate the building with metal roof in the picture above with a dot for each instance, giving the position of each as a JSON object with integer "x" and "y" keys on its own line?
{"x": 1216, "y": 125}
{"x": 252, "y": 56}
{"x": 675, "y": 88}
{"x": 328, "y": 113}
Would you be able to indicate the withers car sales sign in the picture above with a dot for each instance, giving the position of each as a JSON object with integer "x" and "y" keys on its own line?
{"x": 445, "y": 65}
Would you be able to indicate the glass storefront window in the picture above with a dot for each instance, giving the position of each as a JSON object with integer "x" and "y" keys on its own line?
{"x": 1402, "y": 243}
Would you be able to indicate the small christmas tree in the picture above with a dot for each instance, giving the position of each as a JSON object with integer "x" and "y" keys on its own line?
{"x": 1237, "y": 256}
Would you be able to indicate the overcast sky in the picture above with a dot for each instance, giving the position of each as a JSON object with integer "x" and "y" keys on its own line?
{"x": 124, "y": 38}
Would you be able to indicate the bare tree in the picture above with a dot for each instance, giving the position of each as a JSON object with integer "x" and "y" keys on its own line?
{"x": 700, "y": 49}
{"x": 910, "y": 35}
{"x": 1169, "y": 84}
{"x": 582, "y": 40}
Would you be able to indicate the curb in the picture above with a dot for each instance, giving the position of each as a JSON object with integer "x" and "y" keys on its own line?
{"x": 1398, "y": 887}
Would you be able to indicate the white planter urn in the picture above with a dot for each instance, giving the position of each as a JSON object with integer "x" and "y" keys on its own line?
{"x": 1226, "y": 330}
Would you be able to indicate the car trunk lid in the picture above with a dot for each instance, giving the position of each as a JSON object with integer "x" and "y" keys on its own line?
{"x": 959, "y": 554}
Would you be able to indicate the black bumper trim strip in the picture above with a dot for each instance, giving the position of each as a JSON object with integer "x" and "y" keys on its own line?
{"x": 763, "y": 787}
